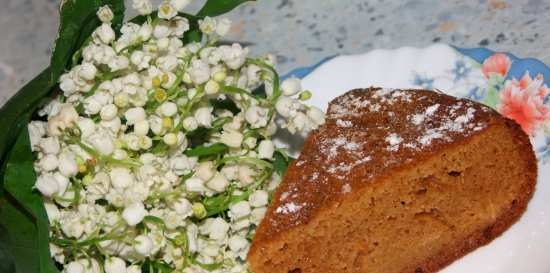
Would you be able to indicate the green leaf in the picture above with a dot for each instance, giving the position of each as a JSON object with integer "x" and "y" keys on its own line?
{"x": 281, "y": 162}
{"x": 198, "y": 136}
{"x": 209, "y": 267}
{"x": 226, "y": 104}
{"x": 153, "y": 220}
{"x": 7, "y": 261}
{"x": 220, "y": 203}
{"x": 78, "y": 20}
{"x": 193, "y": 34}
{"x": 217, "y": 203}
{"x": 26, "y": 209}
{"x": 22, "y": 234}
{"x": 218, "y": 7}
{"x": 203, "y": 151}
{"x": 23, "y": 102}
{"x": 156, "y": 267}
{"x": 217, "y": 125}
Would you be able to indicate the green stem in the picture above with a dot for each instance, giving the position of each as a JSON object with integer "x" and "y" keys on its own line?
{"x": 276, "y": 90}
{"x": 245, "y": 159}
{"x": 129, "y": 162}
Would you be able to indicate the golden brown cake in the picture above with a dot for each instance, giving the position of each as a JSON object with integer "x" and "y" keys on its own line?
{"x": 396, "y": 181}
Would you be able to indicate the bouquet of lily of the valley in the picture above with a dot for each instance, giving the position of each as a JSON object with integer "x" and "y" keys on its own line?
{"x": 146, "y": 146}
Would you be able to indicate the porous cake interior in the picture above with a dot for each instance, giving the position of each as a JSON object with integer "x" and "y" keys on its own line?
{"x": 416, "y": 219}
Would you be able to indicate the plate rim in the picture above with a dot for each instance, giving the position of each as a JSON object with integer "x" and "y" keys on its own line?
{"x": 478, "y": 54}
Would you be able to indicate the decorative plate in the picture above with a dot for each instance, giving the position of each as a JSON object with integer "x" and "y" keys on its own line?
{"x": 517, "y": 88}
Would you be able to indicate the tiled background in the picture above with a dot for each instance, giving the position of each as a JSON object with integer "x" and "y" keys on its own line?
{"x": 302, "y": 32}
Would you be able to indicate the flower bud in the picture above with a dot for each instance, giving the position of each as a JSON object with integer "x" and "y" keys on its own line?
{"x": 108, "y": 112}
{"x": 199, "y": 211}
{"x": 74, "y": 267}
{"x": 134, "y": 214}
{"x": 218, "y": 183}
{"x": 239, "y": 210}
{"x": 203, "y": 116}
{"x": 134, "y": 115}
{"x": 104, "y": 33}
{"x": 144, "y": 245}
{"x": 121, "y": 177}
{"x": 105, "y": 14}
{"x": 266, "y": 149}
{"x": 316, "y": 115}
{"x": 145, "y": 142}
{"x": 258, "y": 198}
{"x": 121, "y": 99}
{"x": 87, "y": 71}
{"x": 170, "y": 139}
{"x": 219, "y": 76}
{"x": 67, "y": 164}
{"x": 306, "y": 95}
{"x": 180, "y": 4}
{"x": 211, "y": 87}
{"x": 205, "y": 170}
{"x": 114, "y": 265}
{"x": 141, "y": 128}
{"x": 232, "y": 139}
{"x": 291, "y": 86}
{"x": 166, "y": 10}
{"x": 168, "y": 109}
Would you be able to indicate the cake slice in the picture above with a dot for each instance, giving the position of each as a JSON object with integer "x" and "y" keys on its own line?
{"x": 396, "y": 181}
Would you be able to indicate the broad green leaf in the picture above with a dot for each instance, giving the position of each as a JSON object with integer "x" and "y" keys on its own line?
{"x": 23, "y": 102}
{"x": 22, "y": 237}
{"x": 7, "y": 261}
{"x": 77, "y": 22}
{"x": 218, "y": 7}
{"x": 202, "y": 151}
{"x": 19, "y": 179}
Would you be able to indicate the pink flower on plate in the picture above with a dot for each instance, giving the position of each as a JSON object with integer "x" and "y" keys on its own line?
{"x": 498, "y": 64}
{"x": 523, "y": 101}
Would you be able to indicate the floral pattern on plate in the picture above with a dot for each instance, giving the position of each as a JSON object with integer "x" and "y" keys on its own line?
{"x": 524, "y": 100}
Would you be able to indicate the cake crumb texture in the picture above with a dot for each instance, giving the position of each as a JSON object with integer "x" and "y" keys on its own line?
{"x": 396, "y": 181}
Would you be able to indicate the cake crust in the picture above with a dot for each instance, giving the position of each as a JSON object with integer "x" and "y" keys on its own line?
{"x": 378, "y": 133}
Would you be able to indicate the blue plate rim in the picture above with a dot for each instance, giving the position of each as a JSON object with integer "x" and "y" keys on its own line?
{"x": 479, "y": 54}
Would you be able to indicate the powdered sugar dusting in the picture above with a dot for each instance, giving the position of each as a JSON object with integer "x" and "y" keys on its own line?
{"x": 418, "y": 119}
{"x": 458, "y": 124}
{"x": 289, "y": 208}
{"x": 343, "y": 167}
{"x": 394, "y": 140}
{"x": 344, "y": 123}
{"x": 331, "y": 147}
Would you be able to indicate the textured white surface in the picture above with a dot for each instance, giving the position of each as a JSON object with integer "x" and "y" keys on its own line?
{"x": 524, "y": 247}
{"x": 302, "y": 32}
